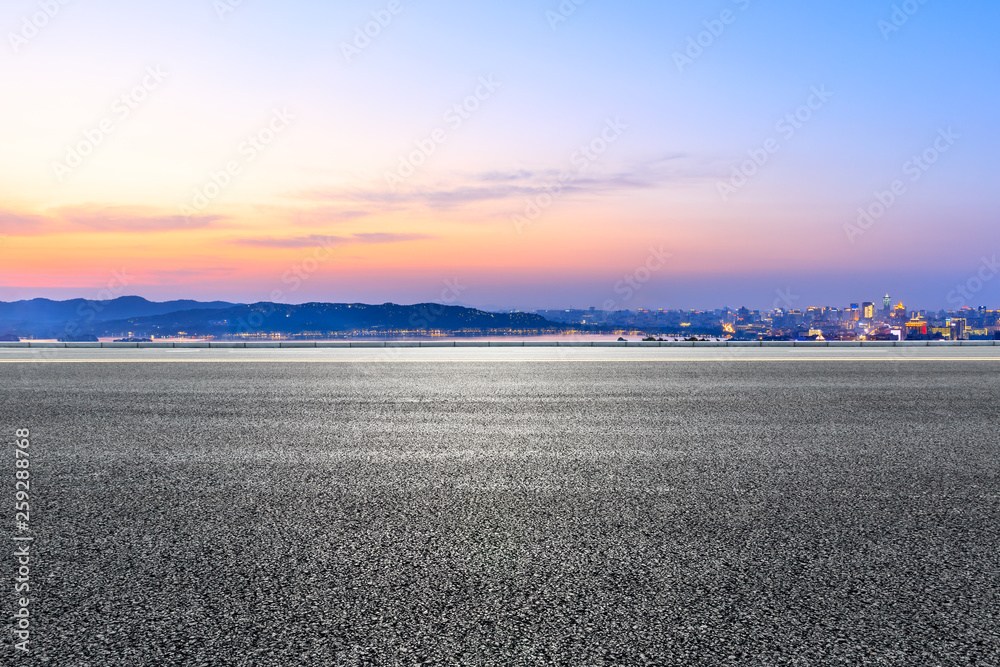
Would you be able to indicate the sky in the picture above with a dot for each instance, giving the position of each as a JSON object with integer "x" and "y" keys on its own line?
{"x": 520, "y": 155}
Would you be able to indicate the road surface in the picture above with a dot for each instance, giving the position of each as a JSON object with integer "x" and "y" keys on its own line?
{"x": 509, "y": 507}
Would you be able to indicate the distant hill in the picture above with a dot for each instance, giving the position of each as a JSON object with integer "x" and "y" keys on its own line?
{"x": 322, "y": 318}
{"x": 45, "y": 317}
{"x": 46, "y": 311}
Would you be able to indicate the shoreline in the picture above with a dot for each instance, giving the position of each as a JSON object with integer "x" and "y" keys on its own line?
{"x": 485, "y": 344}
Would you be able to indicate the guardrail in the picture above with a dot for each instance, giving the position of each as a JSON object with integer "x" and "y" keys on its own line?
{"x": 512, "y": 343}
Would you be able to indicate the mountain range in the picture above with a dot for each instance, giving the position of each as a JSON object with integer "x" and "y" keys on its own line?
{"x": 80, "y": 319}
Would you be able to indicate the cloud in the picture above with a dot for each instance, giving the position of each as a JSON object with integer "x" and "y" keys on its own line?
{"x": 317, "y": 216}
{"x": 497, "y": 186}
{"x": 16, "y": 224}
{"x": 311, "y": 241}
{"x": 384, "y": 237}
{"x": 130, "y": 219}
{"x": 318, "y": 241}
{"x": 199, "y": 272}
{"x": 520, "y": 174}
{"x": 97, "y": 218}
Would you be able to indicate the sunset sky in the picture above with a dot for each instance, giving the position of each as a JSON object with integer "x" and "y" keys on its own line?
{"x": 522, "y": 154}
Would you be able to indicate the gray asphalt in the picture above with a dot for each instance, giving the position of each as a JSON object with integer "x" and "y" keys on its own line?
{"x": 593, "y": 509}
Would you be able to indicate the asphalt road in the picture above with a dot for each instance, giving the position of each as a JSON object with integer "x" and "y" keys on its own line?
{"x": 508, "y": 507}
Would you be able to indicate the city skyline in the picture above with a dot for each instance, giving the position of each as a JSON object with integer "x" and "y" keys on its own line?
{"x": 785, "y": 300}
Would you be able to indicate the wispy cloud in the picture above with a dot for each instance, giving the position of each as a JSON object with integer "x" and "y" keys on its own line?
{"x": 15, "y": 224}
{"x": 498, "y": 186}
{"x": 97, "y": 218}
{"x": 312, "y": 216}
{"x": 187, "y": 274}
{"x": 130, "y": 219}
{"x": 386, "y": 237}
{"x": 317, "y": 240}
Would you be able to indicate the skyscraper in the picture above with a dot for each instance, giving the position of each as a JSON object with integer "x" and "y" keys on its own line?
{"x": 886, "y": 303}
{"x": 899, "y": 314}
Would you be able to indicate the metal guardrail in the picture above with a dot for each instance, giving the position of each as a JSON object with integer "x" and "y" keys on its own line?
{"x": 512, "y": 343}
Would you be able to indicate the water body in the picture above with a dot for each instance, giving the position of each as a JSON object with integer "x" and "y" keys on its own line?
{"x": 541, "y": 338}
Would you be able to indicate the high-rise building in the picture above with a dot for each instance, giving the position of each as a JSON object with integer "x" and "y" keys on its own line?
{"x": 899, "y": 314}
{"x": 886, "y": 304}
{"x": 868, "y": 310}
{"x": 958, "y": 326}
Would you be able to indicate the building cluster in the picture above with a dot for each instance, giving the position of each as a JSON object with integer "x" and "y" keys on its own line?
{"x": 860, "y": 321}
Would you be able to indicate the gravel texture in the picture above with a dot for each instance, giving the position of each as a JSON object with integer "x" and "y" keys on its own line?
{"x": 490, "y": 513}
